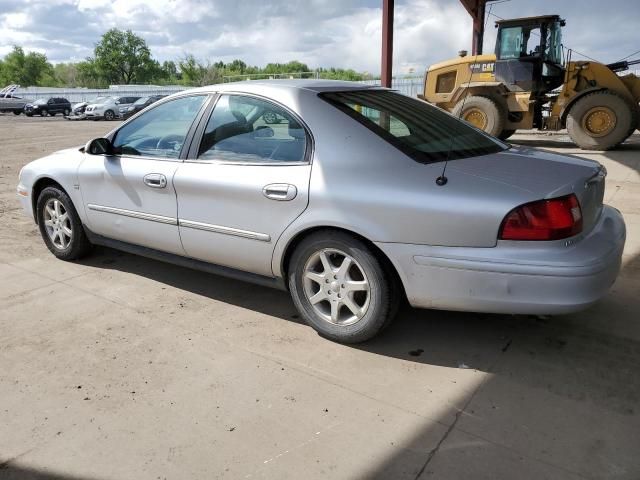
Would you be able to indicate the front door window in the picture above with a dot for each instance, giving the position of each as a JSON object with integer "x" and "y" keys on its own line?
{"x": 161, "y": 131}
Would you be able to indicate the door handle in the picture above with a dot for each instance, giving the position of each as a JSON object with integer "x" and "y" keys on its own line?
{"x": 155, "y": 180}
{"x": 280, "y": 191}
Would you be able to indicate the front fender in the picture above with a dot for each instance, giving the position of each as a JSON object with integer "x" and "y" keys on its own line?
{"x": 60, "y": 167}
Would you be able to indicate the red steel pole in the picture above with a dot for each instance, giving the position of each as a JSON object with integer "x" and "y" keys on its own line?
{"x": 387, "y": 42}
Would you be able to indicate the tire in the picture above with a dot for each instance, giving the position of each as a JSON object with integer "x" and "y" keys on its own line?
{"x": 17, "y": 112}
{"x": 482, "y": 112}
{"x": 53, "y": 114}
{"x": 43, "y": 113}
{"x": 75, "y": 245}
{"x": 506, "y": 134}
{"x": 601, "y": 121}
{"x": 270, "y": 117}
{"x": 377, "y": 306}
{"x": 66, "y": 112}
{"x": 29, "y": 114}
{"x": 109, "y": 115}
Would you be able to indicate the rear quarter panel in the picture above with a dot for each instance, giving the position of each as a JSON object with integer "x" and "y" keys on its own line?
{"x": 361, "y": 183}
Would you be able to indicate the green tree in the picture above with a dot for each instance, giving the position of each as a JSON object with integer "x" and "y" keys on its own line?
{"x": 170, "y": 70}
{"x": 124, "y": 58}
{"x": 193, "y": 72}
{"x": 25, "y": 69}
{"x": 88, "y": 74}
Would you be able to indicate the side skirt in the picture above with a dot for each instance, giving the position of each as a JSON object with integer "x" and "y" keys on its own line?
{"x": 187, "y": 262}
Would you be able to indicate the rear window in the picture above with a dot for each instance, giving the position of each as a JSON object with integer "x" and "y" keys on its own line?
{"x": 422, "y": 131}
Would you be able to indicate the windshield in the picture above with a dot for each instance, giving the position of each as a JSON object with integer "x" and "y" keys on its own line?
{"x": 40, "y": 101}
{"x": 553, "y": 49}
{"x": 422, "y": 131}
{"x": 141, "y": 101}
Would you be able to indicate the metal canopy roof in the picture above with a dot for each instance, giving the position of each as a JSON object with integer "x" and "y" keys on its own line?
{"x": 475, "y": 9}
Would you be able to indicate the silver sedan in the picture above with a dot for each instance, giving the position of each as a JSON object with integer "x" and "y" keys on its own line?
{"x": 355, "y": 198}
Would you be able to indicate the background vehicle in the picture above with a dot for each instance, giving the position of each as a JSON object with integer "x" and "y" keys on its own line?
{"x": 10, "y": 102}
{"x": 48, "y": 106}
{"x": 126, "y": 111}
{"x": 272, "y": 118}
{"x": 515, "y": 88}
{"x": 109, "y": 107}
{"x": 79, "y": 108}
{"x": 369, "y": 223}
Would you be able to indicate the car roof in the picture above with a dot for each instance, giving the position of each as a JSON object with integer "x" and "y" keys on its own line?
{"x": 288, "y": 84}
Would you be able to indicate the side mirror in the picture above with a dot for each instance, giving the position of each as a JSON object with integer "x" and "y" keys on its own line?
{"x": 99, "y": 146}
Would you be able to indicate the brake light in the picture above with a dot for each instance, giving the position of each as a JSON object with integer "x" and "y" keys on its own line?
{"x": 551, "y": 219}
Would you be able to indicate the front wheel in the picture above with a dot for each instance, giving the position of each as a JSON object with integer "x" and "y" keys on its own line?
{"x": 601, "y": 121}
{"x": 341, "y": 288}
{"x": 506, "y": 134}
{"x": 109, "y": 115}
{"x": 66, "y": 112}
{"x": 60, "y": 225}
{"x": 43, "y": 113}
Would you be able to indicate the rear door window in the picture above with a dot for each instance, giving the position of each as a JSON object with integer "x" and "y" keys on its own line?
{"x": 246, "y": 129}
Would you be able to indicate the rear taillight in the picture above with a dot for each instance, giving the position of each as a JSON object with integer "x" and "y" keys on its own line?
{"x": 543, "y": 220}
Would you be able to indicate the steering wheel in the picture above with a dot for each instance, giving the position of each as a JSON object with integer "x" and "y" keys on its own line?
{"x": 172, "y": 141}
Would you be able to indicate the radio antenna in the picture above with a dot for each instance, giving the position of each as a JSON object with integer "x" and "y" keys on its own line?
{"x": 442, "y": 179}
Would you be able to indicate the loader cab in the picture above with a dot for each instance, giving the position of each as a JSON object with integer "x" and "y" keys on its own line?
{"x": 529, "y": 54}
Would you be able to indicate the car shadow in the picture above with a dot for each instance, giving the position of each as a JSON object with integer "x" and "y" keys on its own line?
{"x": 566, "y": 360}
{"x": 9, "y": 471}
{"x": 435, "y": 337}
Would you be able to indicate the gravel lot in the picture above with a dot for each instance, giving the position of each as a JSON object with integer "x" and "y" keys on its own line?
{"x": 119, "y": 367}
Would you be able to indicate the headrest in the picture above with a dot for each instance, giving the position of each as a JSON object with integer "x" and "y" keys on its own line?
{"x": 295, "y": 129}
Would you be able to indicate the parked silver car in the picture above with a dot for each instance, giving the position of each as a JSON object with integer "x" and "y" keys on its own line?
{"x": 10, "y": 102}
{"x": 357, "y": 198}
{"x": 108, "y": 107}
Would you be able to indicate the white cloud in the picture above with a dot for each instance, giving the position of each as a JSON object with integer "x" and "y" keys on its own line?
{"x": 342, "y": 33}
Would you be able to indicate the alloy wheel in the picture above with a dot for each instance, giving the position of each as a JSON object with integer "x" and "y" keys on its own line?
{"x": 57, "y": 223}
{"x": 336, "y": 287}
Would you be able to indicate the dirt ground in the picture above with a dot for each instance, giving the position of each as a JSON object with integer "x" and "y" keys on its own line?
{"x": 119, "y": 367}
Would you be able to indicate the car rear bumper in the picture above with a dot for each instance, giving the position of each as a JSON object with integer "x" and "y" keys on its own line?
{"x": 514, "y": 277}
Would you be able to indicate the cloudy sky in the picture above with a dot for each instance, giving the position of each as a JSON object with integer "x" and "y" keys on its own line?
{"x": 342, "y": 33}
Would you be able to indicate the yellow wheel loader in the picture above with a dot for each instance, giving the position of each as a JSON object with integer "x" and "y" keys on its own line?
{"x": 529, "y": 83}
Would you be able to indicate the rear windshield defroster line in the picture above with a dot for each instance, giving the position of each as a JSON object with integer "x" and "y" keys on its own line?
{"x": 421, "y": 131}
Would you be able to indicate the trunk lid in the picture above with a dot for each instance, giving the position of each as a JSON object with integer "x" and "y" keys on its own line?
{"x": 543, "y": 175}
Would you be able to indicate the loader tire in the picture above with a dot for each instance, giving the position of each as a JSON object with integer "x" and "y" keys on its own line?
{"x": 481, "y": 112}
{"x": 601, "y": 121}
{"x": 506, "y": 134}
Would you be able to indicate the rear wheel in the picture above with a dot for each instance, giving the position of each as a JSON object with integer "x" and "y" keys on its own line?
{"x": 66, "y": 112}
{"x": 43, "y": 112}
{"x": 506, "y": 134}
{"x": 109, "y": 115}
{"x": 600, "y": 121}
{"x": 481, "y": 112}
{"x": 17, "y": 112}
{"x": 60, "y": 225}
{"x": 270, "y": 117}
{"x": 341, "y": 288}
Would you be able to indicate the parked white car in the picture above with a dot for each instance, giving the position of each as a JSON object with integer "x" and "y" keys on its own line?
{"x": 108, "y": 108}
